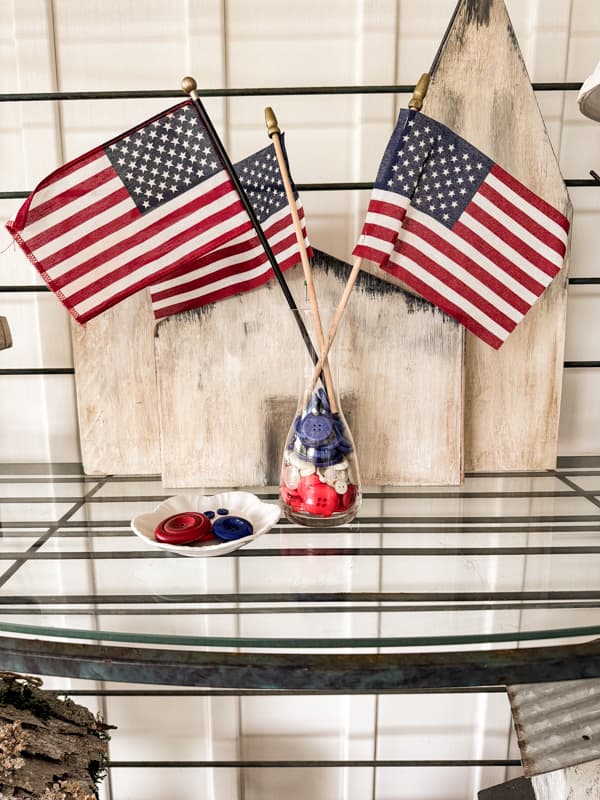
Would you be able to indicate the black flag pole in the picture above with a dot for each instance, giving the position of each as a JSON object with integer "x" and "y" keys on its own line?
{"x": 189, "y": 86}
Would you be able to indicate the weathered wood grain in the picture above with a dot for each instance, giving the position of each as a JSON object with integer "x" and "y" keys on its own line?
{"x": 229, "y": 379}
{"x": 481, "y": 90}
{"x": 117, "y": 398}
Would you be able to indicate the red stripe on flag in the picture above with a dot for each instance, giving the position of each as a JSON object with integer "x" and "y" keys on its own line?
{"x": 371, "y": 254}
{"x": 42, "y": 239}
{"x": 199, "y": 281}
{"x": 22, "y": 217}
{"x": 537, "y": 230}
{"x": 498, "y": 258}
{"x": 163, "y": 249}
{"x": 386, "y": 209}
{"x": 379, "y": 232}
{"x": 218, "y": 294}
{"x": 470, "y": 266}
{"x": 140, "y": 236}
{"x": 444, "y": 304}
{"x": 509, "y": 238}
{"x": 452, "y": 282}
{"x": 533, "y": 199}
{"x": 73, "y": 192}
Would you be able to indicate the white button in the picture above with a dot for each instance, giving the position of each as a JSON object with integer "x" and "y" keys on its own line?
{"x": 343, "y": 464}
{"x": 291, "y": 477}
{"x": 330, "y": 475}
{"x": 308, "y": 469}
{"x": 341, "y": 487}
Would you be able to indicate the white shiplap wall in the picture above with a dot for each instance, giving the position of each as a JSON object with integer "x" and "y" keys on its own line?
{"x": 127, "y": 44}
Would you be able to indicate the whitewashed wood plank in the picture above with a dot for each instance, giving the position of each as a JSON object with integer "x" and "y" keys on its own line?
{"x": 117, "y": 396}
{"x": 481, "y": 90}
{"x": 581, "y": 782}
{"x": 229, "y": 379}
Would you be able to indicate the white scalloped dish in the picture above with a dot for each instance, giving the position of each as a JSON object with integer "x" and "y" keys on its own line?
{"x": 263, "y": 516}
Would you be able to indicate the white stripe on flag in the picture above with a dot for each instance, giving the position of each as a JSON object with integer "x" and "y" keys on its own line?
{"x": 463, "y": 275}
{"x": 144, "y": 223}
{"x": 154, "y": 265}
{"x": 402, "y": 260}
{"x": 46, "y": 193}
{"x": 518, "y": 230}
{"x": 512, "y": 255}
{"x": 531, "y": 211}
{"x": 475, "y": 255}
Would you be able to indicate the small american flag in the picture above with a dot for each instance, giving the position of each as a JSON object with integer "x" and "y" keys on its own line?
{"x": 459, "y": 230}
{"x": 242, "y": 263}
{"x": 129, "y": 212}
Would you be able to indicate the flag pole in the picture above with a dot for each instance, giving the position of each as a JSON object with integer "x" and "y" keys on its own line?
{"x": 189, "y": 86}
{"x": 275, "y": 135}
{"x": 416, "y": 104}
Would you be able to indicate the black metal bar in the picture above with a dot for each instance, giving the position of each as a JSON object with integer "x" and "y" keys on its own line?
{"x": 234, "y": 598}
{"x": 23, "y": 557}
{"x": 252, "y": 670}
{"x": 314, "y": 552}
{"x": 329, "y": 186}
{"x": 39, "y": 371}
{"x": 278, "y": 610}
{"x": 308, "y": 764}
{"x": 581, "y": 364}
{"x": 284, "y": 693}
{"x": 259, "y": 91}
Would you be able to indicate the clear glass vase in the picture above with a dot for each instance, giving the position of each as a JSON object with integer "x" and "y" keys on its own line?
{"x": 320, "y": 481}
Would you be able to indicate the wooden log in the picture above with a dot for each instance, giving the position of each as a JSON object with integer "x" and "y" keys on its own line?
{"x": 50, "y": 749}
{"x": 482, "y": 91}
{"x": 117, "y": 396}
{"x": 229, "y": 378}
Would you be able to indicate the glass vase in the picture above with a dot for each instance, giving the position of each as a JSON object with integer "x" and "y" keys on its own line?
{"x": 320, "y": 482}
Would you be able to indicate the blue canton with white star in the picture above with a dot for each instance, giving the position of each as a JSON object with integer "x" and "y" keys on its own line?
{"x": 435, "y": 168}
{"x": 260, "y": 176}
{"x": 164, "y": 158}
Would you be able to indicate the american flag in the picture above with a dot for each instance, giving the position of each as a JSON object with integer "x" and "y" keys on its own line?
{"x": 129, "y": 212}
{"x": 459, "y": 230}
{"x": 242, "y": 263}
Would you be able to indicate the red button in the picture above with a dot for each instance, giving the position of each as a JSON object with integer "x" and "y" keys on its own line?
{"x": 349, "y": 496}
{"x": 306, "y": 483}
{"x": 183, "y": 528}
{"x": 321, "y": 500}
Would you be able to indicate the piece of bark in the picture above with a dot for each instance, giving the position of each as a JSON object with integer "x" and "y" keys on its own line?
{"x": 49, "y": 748}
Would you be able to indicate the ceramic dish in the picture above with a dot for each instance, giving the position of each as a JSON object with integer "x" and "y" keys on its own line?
{"x": 262, "y": 516}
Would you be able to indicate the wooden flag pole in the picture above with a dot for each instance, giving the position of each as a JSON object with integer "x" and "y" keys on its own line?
{"x": 275, "y": 136}
{"x": 189, "y": 86}
{"x": 416, "y": 103}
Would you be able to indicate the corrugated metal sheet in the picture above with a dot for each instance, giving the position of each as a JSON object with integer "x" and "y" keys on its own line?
{"x": 557, "y": 724}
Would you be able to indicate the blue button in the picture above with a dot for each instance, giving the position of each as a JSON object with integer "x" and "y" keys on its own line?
{"x": 315, "y": 429}
{"x": 230, "y": 528}
{"x": 209, "y": 514}
{"x": 222, "y": 511}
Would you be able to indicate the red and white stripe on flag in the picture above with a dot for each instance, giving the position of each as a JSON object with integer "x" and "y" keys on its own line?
{"x": 459, "y": 230}
{"x": 491, "y": 267}
{"x": 127, "y": 213}
{"x": 240, "y": 265}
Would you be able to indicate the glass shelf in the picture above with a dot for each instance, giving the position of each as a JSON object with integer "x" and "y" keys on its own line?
{"x": 502, "y": 569}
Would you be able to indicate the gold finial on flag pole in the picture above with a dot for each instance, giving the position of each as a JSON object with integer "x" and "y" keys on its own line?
{"x": 419, "y": 93}
{"x": 190, "y": 87}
